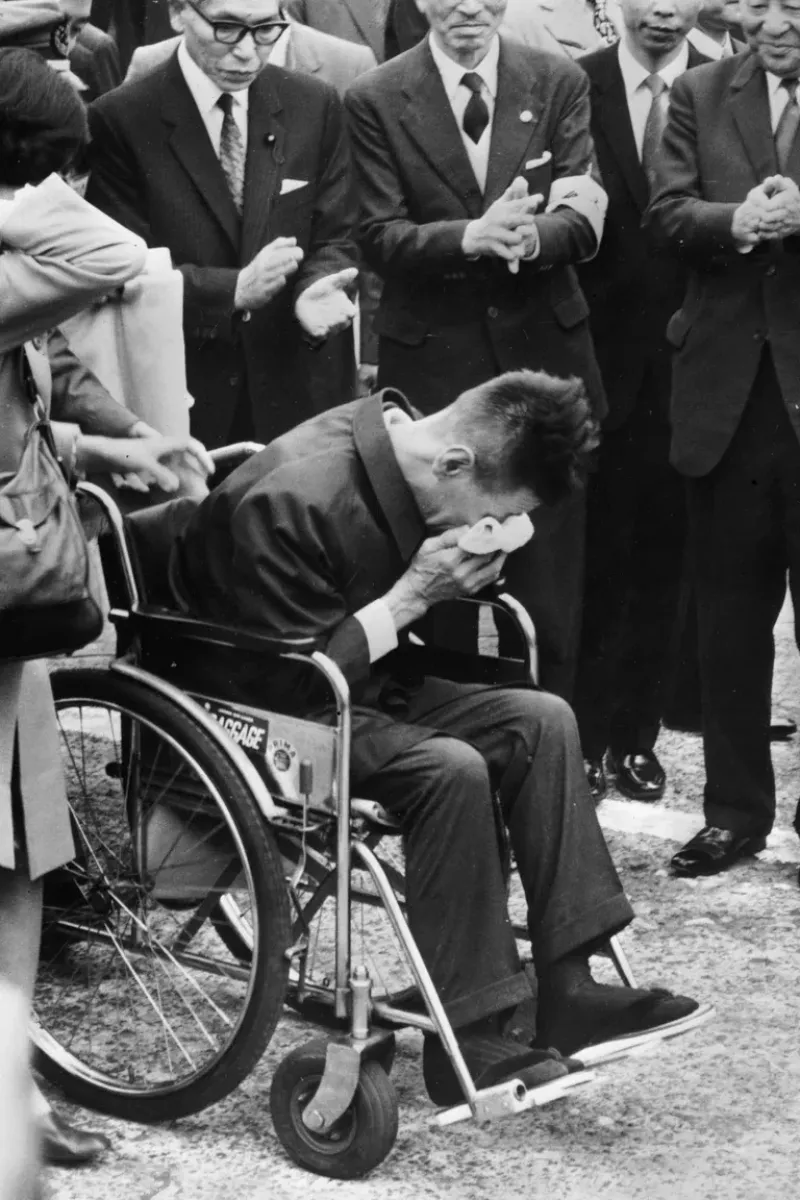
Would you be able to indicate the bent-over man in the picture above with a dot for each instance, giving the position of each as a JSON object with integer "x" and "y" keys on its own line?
{"x": 347, "y": 529}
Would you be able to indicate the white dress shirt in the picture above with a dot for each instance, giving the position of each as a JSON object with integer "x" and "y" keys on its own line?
{"x": 778, "y": 98}
{"x": 206, "y": 96}
{"x": 458, "y": 94}
{"x": 710, "y": 47}
{"x": 637, "y": 92}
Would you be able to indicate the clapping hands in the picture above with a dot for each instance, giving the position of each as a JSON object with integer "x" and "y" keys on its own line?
{"x": 508, "y": 227}
{"x": 769, "y": 212}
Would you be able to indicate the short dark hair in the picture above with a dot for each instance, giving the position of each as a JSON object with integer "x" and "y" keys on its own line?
{"x": 42, "y": 119}
{"x": 530, "y": 430}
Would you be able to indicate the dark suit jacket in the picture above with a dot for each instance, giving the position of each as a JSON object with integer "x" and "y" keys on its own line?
{"x": 95, "y": 60}
{"x": 361, "y": 21}
{"x": 418, "y": 192}
{"x": 295, "y": 542}
{"x": 631, "y": 292}
{"x": 717, "y": 146}
{"x": 405, "y": 27}
{"x": 155, "y": 170}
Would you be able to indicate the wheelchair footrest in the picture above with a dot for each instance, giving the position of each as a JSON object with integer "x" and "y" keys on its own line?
{"x": 505, "y": 1099}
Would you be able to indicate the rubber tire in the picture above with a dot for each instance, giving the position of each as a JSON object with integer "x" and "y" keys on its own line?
{"x": 373, "y": 1113}
{"x": 265, "y": 1002}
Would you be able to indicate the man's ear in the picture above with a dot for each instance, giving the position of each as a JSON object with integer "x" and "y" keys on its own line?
{"x": 176, "y": 15}
{"x": 455, "y": 460}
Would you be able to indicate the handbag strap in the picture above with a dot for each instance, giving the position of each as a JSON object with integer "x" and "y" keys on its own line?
{"x": 42, "y": 416}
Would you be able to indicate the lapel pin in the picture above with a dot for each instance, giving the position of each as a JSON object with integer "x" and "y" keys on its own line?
{"x": 270, "y": 137}
{"x": 526, "y": 115}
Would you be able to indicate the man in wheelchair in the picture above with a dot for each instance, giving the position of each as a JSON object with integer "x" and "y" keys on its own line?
{"x": 350, "y": 529}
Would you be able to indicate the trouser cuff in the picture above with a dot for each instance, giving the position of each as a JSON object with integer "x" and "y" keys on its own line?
{"x": 601, "y": 922}
{"x": 494, "y": 998}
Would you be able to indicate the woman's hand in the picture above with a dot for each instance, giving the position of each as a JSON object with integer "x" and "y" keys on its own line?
{"x": 151, "y": 458}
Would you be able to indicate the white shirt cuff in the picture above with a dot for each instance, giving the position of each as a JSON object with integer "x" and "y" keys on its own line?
{"x": 378, "y": 624}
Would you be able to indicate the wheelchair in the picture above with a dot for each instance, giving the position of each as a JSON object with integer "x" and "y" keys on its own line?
{"x": 223, "y": 870}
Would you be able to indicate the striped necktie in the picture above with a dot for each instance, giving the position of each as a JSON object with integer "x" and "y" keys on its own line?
{"x": 786, "y": 131}
{"x": 655, "y": 125}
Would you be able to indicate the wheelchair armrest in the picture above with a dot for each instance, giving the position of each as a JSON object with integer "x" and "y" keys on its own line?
{"x": 227, "y": 458}
{"x": 462, "y": 668}
{"x": 151, "y": 620}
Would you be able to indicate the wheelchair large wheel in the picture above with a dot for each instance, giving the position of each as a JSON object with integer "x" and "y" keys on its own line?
{"x": 358, "y": 1142}
{"x": 141, "y": 1010}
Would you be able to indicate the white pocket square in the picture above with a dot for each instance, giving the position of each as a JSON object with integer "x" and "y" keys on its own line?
{"x": 292, "y": 185}
{"x": 538, "y": 162}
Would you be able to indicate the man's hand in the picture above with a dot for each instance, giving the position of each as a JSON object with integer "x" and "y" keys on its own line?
{"x": 507, "y": 226}
{"x": 439, "y": 571}
{"x": 325, "y": 307}
{"x": 367, "y": 379}
{"x": 746, "y": 226}
{"x": 153, "y": 459}
{"x": 768, "y": 212}
{"x": 783, "y": 206}
{"x": 266, "y": 275}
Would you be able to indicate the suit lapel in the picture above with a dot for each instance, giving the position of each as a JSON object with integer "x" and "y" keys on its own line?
{"x": 192, "y": 147}
{"x": 519, "y": 107}
{"x": 613, "y": 117}
{"x": 366, "y": 23}
{"x": 266, "y": 135}
{"x": 428, "y": 119}
{"x": 751, "y": 115}
{"x": 300, "y": 54}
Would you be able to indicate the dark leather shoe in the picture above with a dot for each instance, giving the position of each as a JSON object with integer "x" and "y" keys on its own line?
{"x": 638, "y": 774}
{"x": 713, "y": 850}
{"x": 490, "y": 1059}
{"x": 596, "y": 778}
{"x": 65, "y": 1145}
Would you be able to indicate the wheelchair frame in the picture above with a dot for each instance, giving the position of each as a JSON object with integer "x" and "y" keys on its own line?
{"x": 351, "y": 997}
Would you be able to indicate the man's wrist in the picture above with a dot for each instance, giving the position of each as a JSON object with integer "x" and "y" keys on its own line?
{"x": 470, "y": 240}
{"x": 405, "y": 605}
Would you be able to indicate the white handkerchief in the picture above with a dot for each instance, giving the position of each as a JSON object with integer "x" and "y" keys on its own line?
{"x": 538, "y": 162}
{"x": 490, "y": 536}
{"x": 292, "y": 185}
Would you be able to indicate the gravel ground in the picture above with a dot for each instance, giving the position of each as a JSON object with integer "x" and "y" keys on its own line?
{"x": 714, "y": 1115}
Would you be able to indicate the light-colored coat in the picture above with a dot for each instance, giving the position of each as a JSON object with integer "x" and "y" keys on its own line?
{"x": 59, "y": 254}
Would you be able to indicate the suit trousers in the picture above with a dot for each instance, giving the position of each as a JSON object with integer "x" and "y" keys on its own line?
{"x": 522, "y": 746}
{"x": 745, "y": 528}
{"x": 635, "y": 545}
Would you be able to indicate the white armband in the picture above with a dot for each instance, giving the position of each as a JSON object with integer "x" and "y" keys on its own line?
{"x": 585, "y": 196}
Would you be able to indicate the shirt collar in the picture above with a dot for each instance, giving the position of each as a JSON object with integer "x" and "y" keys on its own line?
{"x": 773, "y": 84}
{"x": 634, "y": 74}
{"x": 204, "y": 91}
{"x": 452, "y": 72}
{"x": 376, "y": 452}
{"x": 708, "y": 46}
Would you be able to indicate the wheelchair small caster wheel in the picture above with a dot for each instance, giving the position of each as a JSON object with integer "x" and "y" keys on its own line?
{"x": 358, "y": 1141}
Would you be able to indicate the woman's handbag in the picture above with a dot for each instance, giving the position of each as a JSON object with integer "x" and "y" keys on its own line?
{"x": 48, "y": 590}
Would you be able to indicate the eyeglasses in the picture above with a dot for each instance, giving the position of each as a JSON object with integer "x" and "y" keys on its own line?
{"x": 230, "y": 33}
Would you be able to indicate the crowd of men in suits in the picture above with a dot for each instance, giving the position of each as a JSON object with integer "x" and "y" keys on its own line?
{"x": 604, "y": 189}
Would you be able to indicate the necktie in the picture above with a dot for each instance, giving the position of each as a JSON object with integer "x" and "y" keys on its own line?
{"x": 655, "y": 124}
{"x": 476, "y": 114}
{"x": 786, "y": 132}
{"x": 232, "y": 152}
